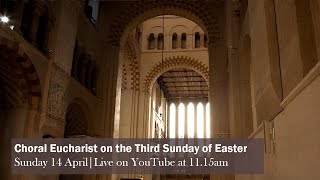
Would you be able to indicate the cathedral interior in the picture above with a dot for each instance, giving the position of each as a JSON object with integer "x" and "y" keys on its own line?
{"x": 164, "y": 69}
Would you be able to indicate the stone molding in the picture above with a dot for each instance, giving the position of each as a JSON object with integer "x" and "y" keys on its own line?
{"x": 175, "y": 62}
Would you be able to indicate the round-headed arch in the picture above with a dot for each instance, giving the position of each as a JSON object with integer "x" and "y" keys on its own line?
{"x": 172, "y": 63}
{"x": 77, "y": 118}
{"x": 139, "y": 11}
{"x": 22, "y": 68}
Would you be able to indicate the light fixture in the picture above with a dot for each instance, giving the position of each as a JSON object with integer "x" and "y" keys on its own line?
{"x": 4, "y": 19}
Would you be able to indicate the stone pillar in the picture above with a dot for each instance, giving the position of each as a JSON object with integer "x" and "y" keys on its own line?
{"x": 167, "y": 128}
{"x": 189, "y": 41}
{"x": 18, "y": 12}
{"x": 155, "y": 42}
{"x": 195, "y": 122}
{"x": 201, "y": 40}
{"x": 35, "y": 22}
{"x": 218, "y": 94}
{"x": 111, "y": 89}
{"x": 234, "y": 89}
{"x": 49, "y": 27}
{"x": 204, "y": 121}
{"x": 179, "y": 41}
{"x": 54, "y": 105}
{"x": 83, "y": 65}
{"x": 90, "y": 75}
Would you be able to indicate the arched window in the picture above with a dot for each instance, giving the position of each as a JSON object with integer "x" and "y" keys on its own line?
{"x": 172, "y": 121}
{"x": 183, "y": 40}
{"x": 190, "y": 119}
{"x": 205, "y": 41}
{"x": 200, "y": 120}
{"x": 151, "y": 41}
{"x": 174, "y": 41}
{"x": 181, "y": 120}
{"x": 197, "y": 40}
{"x": 75, "y": 120}
{"x": 91, "y": 10}
{"x": 160, "y": 41}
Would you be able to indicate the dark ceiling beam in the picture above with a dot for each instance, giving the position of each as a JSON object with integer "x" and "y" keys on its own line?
{"x": 188, "y": 96}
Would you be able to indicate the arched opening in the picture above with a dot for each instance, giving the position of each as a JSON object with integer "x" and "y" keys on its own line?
{"x": 128, "y": 25}
{"x": 19, "y": 101}
{"x": 185, "y": 92}
{"x": 174, "y": 41}
{"x": 76, "y": 121}
{"x": 36, "y": 24}
{"x": 183, "y": 41}
{"x": 172, "y": 122}
{"x": 151, "y": 41}
{"x": 76, "y": 127}
{"x": 197, "y": 40}
{"x": 160, "y": 41}
{"x": 191, "y": 120}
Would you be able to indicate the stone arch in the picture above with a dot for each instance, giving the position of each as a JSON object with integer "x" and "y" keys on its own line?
{"x": 175, "y": 62}
{"x": 179, "y": 29}
{"x": 139, "y": 11}
{"x": 20, "y": 95}
{"x": 130, "y": 68}
{"x": 28, "y": 82}
{"x": 156, "y": 30}
{"x": 76, "y": 118}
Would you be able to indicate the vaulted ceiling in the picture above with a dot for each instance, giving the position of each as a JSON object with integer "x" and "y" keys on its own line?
{"x": 183, "y": 83}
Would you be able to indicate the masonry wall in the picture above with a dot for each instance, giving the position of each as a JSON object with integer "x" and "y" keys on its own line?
{"x": 293, "y": 151}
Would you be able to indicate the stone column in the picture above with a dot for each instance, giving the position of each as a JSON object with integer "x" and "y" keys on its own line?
{"x": 54, "y": 105}
{"x": 18, "y": 12}
{"x": 111, "y": 86}
{"x": 195, "y": 121}
{"x": 83, "y": 64}
{"x": 179, "y": 41}
{"x": 189, "y": 41}
{"x": 204, "y": 121}
{"x": 218, "y": 95}
{"x": 155, "y": 42}
{"x": 201, "y": 40}
{"x": 35, "y": 22}
{"x": 90, "y": 74}
{"x": 234, "y": 89}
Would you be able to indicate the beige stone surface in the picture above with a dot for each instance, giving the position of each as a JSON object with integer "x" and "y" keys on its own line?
{"x": 261, "y": 63}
